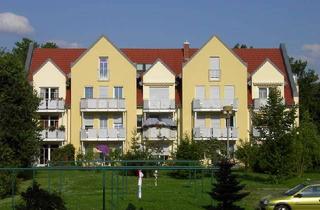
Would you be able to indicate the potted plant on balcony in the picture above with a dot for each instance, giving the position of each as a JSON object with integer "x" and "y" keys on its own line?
{"x": 62, "y": 128}
{"x": 52, "y": 128}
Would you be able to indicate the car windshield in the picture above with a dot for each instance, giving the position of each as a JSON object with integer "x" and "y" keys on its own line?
{"x": 294, "y": 190}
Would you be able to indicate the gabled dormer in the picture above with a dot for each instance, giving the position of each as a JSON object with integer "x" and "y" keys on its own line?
{"x": 158, "y": 88}
{"x": 266, "y": 76}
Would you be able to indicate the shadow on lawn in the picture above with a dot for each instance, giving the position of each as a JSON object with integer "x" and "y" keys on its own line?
{"x": 132, "y": 207}
{"x": 253, "y": 177}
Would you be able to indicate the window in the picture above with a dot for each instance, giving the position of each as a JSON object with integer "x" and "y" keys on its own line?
{"x": 229, "y": 92}
{"x": 215, "y": 92}
{"x": 103, "y": 68}
{"x": 88, "y": 92}
{"x": 263, "y": 93}
{"x": 214, "y": 69}
{"x": 313, "y": 191}
{"x": 140, "y": 67}
{"x": 118, "y": 92}
{"x": 232, "y": 122}
{"x": 200, "y": 92}
{"x": 88, "y": 122}
{"x": 139, "y": 121}
{"x": 103, "y": 122}
{"x": 215, "y": 123}
{"x": 117, "y": 121}
{"x": 103, "y": 92}
{"x": 49, "y": 93}
{"x": 200, "y": 121}
{"x": 143, "y": 66}
{"x": 159, "y": 93}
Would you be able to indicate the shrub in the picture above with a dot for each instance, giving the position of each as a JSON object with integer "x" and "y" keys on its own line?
{"x": 64, "y": 155}
{"x": 36, "y": 198}
{"x": 6, "y": 179}
{"x": 248, "y": 154}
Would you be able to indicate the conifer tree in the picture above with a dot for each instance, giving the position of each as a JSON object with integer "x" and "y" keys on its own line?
{"x": 227, "y": 189}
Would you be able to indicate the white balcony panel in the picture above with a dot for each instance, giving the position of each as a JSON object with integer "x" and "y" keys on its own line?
{"x": 219, "y": 133}
{"x": 259, "y": 102}
{"x": 102, "y": 104}
{"x": 104, "y": 134}
{"x": 213, "y": 104}
{"x": 56, "y": 105}
{"x": 159, "y": 105}
{"x": 154, "y": 133}
{"x": 56, "y": 135}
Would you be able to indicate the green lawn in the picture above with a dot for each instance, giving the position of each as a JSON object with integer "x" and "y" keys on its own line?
{"x": 83, "y": 190}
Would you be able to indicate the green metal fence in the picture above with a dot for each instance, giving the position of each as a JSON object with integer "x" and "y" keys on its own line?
{"x": 113, "y": 185}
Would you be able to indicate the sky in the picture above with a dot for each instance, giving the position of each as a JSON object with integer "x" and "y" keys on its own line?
{"x": 166, "y": 23}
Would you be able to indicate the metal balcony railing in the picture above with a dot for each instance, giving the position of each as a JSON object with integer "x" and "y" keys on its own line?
{"x": 51, "y": 105}
{"x": 103, "y": 134}
{"x": 56, "y": 135}
{"x": 154, "y": 133}
{"x": 97, "y": 104}
{"x": 160, "y": 104}
{"x": 213, "y": 104}
{"x": 219, "y": 133}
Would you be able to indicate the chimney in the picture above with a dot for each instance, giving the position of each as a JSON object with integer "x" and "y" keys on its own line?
{"x": 186, "y": 49}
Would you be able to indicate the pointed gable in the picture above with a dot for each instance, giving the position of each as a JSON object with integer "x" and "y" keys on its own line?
{"x": 158, "y": 73}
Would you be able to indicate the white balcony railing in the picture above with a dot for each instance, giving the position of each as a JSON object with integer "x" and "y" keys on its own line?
{"x": 149, "y": 105}
{"x": 154, "y": 133}
{"x": 213, "y": 104}
{"x": 219, "y": 133}
{"x": 51, "y": 105}
{"x": 259, "y": 102}
{"x": 103, "y": 134}
{"x": 100, "y": 104}
{"x": 56, "y": 135}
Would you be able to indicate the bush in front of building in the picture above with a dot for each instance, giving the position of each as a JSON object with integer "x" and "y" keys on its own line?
{"x": 63, "y": 155}
{"x": 35, "y": 198}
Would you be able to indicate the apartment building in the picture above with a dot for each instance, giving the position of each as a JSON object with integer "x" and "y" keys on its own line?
{"x": 107, "y": 95}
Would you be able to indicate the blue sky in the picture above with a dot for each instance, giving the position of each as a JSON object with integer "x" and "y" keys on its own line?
{"x": 166, "y": 23}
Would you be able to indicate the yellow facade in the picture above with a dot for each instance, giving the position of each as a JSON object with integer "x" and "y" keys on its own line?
{"x": 267, "y": 75}
{"x": 233, "y": 72}
{"x": 84, "y": 74}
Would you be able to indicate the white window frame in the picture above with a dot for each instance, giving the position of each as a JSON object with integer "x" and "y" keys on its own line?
{"x": 84, "y": 92}
{"x": 214, "y": 76}
{"x": 106, "y": 89}
{"x": 105, "y": 62}
{"x": 49, "y": 93}
{"x": 267, "y": 88}
{"x": 118, "y": 125}
{"x": 114, "y": 91}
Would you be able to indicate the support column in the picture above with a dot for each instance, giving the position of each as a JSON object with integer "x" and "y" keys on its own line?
{"x": 49, "y": 152}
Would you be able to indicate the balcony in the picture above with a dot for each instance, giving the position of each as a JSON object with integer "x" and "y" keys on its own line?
{"x": 209, "y": 105}
{"x": 56, "y": 135}
{"x": 159, "y": 105}
{"x": 259, "y": 102}
{"x": 102, "y": 105}
{"x": 154, "y": 133}
{"x": 55, "y": 105}
{"x": 218, "y": 133}
{"x": 107, "y": 134}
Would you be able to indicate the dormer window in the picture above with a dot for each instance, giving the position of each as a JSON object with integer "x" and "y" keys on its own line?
{"x": 263, "y": 92}
{"x": 214, "y": 68}
{"x": 103, "y": 68}
{"x": 143, "y": 66}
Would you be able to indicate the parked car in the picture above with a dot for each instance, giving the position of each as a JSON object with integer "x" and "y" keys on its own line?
{"x": 301, "y": 197}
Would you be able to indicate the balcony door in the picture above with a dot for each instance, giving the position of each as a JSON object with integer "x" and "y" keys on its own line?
{"x": 229, "y": 94}
{"x": 159, "y": 97}
{"x": 49, "y": 93}
{"x": 200, "y": 92}
{"x": 200, "y": 121}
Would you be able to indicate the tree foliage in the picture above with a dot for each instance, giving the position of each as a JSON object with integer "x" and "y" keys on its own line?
{"x": 64, "y": 155}
{"x": 244, "y": 46}
{"x": 18, "y": 117}
{"x": 227, "y": 190}
{"x": 36, "y": 198}
{"x": 275, "y": 123}
{"x": 309, "y": 90}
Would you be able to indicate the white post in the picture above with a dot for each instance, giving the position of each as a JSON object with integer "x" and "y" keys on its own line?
{"x": 140, "y": 175}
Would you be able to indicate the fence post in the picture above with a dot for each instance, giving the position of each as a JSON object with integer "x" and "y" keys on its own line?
{"x": 104, "y": 190}
{"x": 13, "y": 189}
{"x": 111, "y": 190}
{"x": 49, "y": 181}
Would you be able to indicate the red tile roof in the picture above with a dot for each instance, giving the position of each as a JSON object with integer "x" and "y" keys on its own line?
{"x": 61, "y": 57}
{"x": 172, "y": 57}
{"x": 254, "y": 57}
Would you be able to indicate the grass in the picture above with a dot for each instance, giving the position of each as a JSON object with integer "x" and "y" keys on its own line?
{"x": 83, "y": 190}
